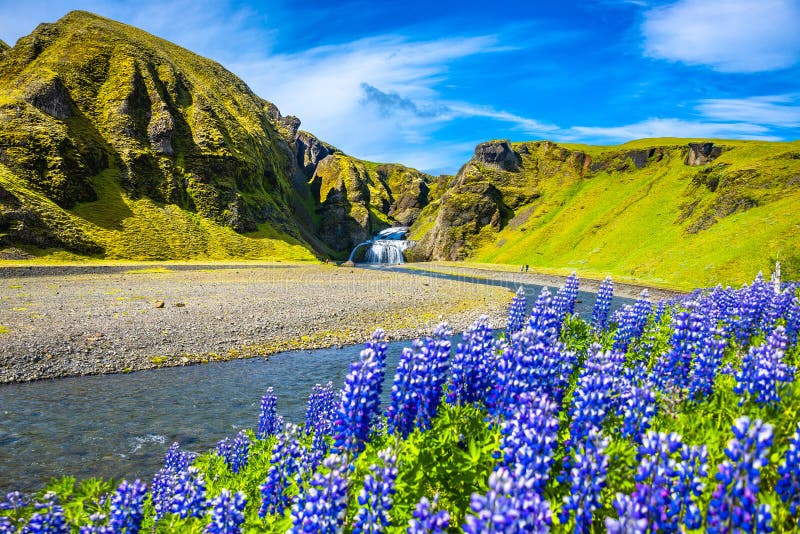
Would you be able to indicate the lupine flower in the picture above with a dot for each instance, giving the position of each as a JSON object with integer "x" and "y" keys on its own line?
{"x": 690, "y": 332}
{"x": 637, "y": 411}
{"x": 189, "y": 495}
{"x": 632, "y": 517}
{"x": 235, "y": 453}
{"x": 530, "y": 364}
{"x": 602, "y": 304}
{"x": 587, "y": 479}
{"x": 472, "y": 366}
{"x": 285, "y": 463}
{"x": 321, "y": 409}
{"x": 508, "y": 507}
{"x": 530, "y": 438}
{"x": 227, "y": 513}
{"x": 689, "y": 475}
{"x": 419, "y": 383}
{"x": 14, "y": 500}
{"x": 705, "y": 366}
{"x": 545, "y": 317}
{"x": 516, "y": 312}
{"x": 322, "y": 505}
{"x": 427, "y": 521}
{"x": 6, "y": 526}
{"x": 48, "y": 518}
{"x": 568, "y": 294}
{"x": 127, "y": 507}
{"x": 788, "y": 486}
{"x": 734, "y": 504}
{"x": 269, "y": 422}
{"x": 360, "y": 402}
{"x": 162, "y": 489}
{"x": 631, "y": 321}
{"x": 375, "y": 497}
{"x": 764, "y": 372}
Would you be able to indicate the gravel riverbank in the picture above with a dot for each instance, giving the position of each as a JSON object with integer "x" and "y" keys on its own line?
{"x": 69, "y": 321}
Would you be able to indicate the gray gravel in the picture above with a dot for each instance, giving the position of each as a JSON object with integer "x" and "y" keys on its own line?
{"x": 65, "y": 321}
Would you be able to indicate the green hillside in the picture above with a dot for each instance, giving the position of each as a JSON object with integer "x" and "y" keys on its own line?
{"x": 117, "y": 144}
{"x": 636, "y": 210}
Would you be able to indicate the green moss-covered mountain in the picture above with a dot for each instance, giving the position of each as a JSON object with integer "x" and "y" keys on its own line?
{"x": 676, "y": 211}
{"x": 116, "y": 143}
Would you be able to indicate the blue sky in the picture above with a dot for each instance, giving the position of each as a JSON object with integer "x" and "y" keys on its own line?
{"x": 422, "y": 82}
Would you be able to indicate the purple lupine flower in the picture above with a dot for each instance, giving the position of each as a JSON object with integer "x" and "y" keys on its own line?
{"x": 568, "y": 294}
{"x": 788, "y": 486}
{"x": 668, "y": 482}
{"x": 734, "y": 505}
{"x": 322, "y": 505}
{"x": 401, "y": 412}
{"x": 162, "y": 488}
{"x": 689, "y": 473}
{"x": 269, "y": 422}
{"x": 587, "y": 479}
{"x": 602, "y": 304}
{"x": 127, "y": 507}
{"x": 530, "y": 364}
{"x": 96, "y": 525}
{"x": 516, "y": 312}
{"x": 508, "y": 507}
{"x": 321, "y": 409}
{"x": 597, "y": 393}
{"x": 235, "y": 452}
{"x": 690, "y": 331}
{"x": 432, "y": 374}
{"x": 545, "y": 317}
{"x": 472, "y": 367}
{"x": 359, "y": 404}
{"x": 632, "y": 517}
{"x": 631, "y": 320}
{"x": 285, "y": 464}
{"x": 227, "y": 513}
{"x": 705, "y": 366}
{"x": 764, "y": 373}
{"x": 6, "y": 526}
{"x": 189, "y": 494}
{"x": 14, "y": 500}
{"x": 375, "y": 498}
{"x": 637, "y": 411}
{"x": 48, "y": 518}
{"x": 530, "y": 437}
{"x": 427, "y": 521}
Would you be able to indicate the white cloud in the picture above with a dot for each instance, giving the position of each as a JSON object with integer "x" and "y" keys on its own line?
{"x": 727, "y": 35}
{"x": 778, "y": 110}
{"x": 657, "y": 127}
{"x": 377, "y": 98}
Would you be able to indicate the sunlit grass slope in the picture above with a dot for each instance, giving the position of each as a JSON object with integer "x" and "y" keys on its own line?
{"x": 145, "y": 230}
{"x": 667, "y": 222}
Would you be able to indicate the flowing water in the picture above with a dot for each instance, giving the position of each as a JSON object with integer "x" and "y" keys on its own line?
{"x": 121, "y": 425}
{"x": 386, "y": 247}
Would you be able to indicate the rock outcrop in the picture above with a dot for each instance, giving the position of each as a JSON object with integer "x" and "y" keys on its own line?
{"x": 49, "y": 96}
{"x": 498, "y": 154}
{"x": 3, "y": 46}
{"x": 702, "y": 153}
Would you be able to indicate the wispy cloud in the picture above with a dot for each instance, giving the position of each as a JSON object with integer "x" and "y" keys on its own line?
{"x": 778, "y": 110}
{"x": 657, "y": 127}
{"x": 727, "y": 35}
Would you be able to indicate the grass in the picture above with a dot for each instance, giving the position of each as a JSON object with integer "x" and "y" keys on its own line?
{"x": 635, "y": 224}
{"x": 149, "y": 270}
{"x": 3, "y": 329}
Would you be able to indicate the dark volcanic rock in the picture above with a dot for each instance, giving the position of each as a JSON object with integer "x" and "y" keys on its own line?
{"x": 498, "y": 154}
{"x": 310, "y": 151}
{"x": 291, "y": 124}
{"x": 160, "y": 131}
{"x": 51, "y": 97}
{"x": 702, "y": 153}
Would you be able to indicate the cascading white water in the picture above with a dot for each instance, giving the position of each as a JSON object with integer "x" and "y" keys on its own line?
{"x": 386, "y": 247}
{"x": 386, "y": 251}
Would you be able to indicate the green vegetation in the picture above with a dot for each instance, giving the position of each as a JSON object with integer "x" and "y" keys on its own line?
{"x": 592, "y": 209}
{"x": 3, "y": 329}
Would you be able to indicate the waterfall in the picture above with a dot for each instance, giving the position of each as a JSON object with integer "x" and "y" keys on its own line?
{"x": 386, "y": 251}
{"x": 386, "y": 247}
